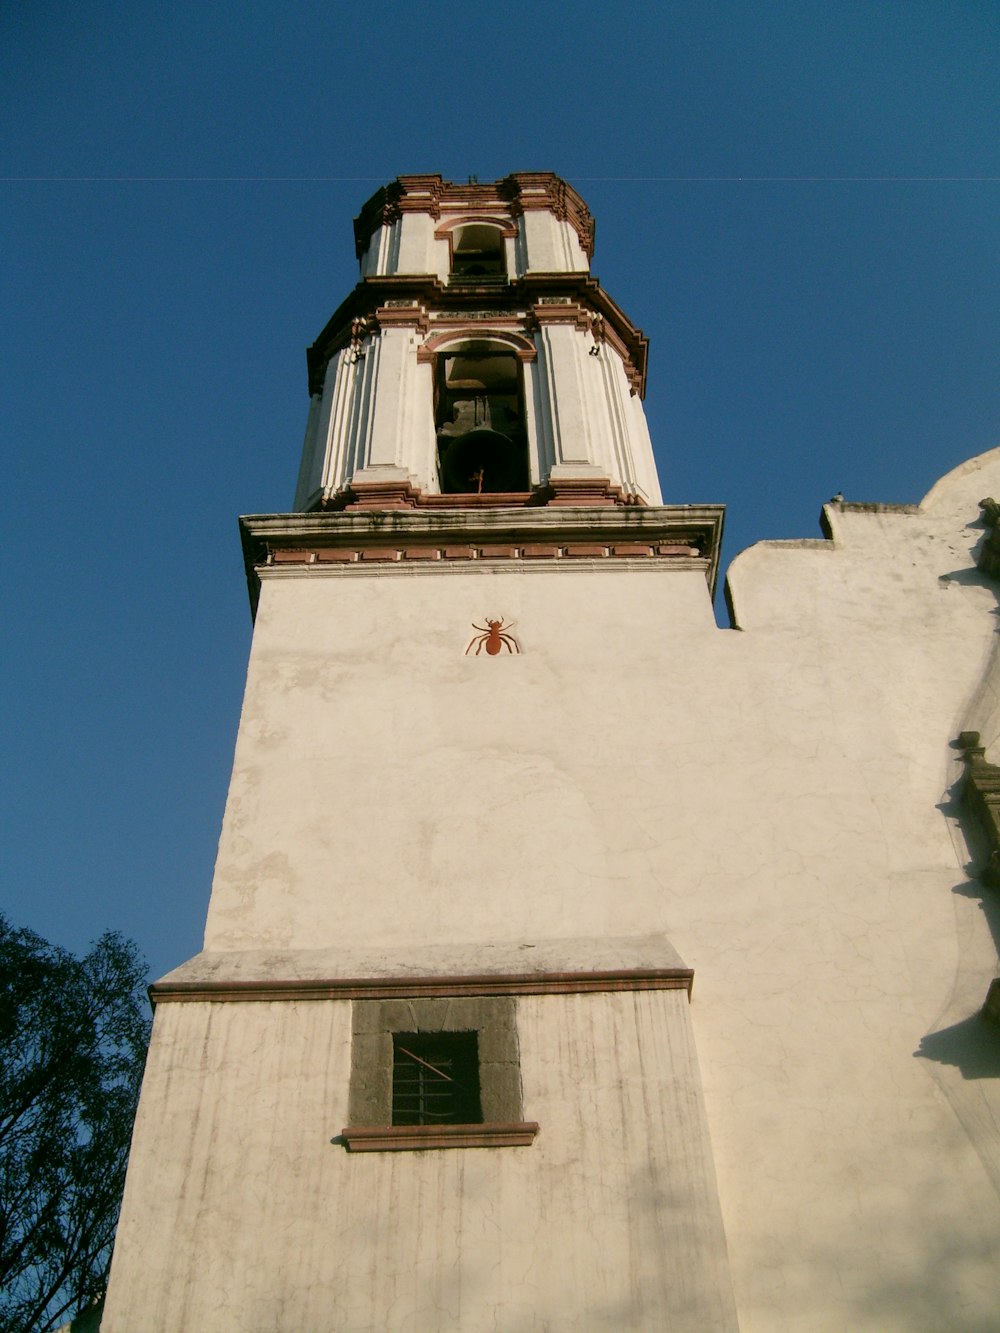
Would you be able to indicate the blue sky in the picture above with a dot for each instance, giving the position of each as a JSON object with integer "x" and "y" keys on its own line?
{"x": 798, "y": 202}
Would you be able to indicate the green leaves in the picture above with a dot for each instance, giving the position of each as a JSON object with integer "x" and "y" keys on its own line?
{"x": 73, "y": 1036}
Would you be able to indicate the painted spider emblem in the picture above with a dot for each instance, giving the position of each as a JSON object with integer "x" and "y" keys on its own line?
{"x": 493, "y": 638}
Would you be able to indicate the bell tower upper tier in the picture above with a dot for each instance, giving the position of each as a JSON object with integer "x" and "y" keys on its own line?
{"x": 529, "y": 222}
{"x": 477, "y": 362}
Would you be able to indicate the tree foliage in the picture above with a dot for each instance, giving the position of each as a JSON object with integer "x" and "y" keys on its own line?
{"x": 73, "y": 1035}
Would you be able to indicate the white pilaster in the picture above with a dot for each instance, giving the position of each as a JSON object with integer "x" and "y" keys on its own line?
{"x": 631, "y": 450}
{"x": 385, "y": 453}
{"x": 641, "y": 450}
{"x": 340, "y": 443}
{"x": 551, "y": 246}
{"x": 562, "y": 351}
{"x": 538, "y": 419}
{"x": 416, "y": 244}
{"x": 421, "y": 419}
{"x": 306, "y": 487}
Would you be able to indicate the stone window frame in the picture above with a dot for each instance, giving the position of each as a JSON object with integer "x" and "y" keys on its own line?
{"x": 492, "y": 1018}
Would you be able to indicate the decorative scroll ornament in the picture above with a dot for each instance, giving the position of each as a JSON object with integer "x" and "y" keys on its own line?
{"x": 360, "y": 328}
{"x": 981, "y": 795}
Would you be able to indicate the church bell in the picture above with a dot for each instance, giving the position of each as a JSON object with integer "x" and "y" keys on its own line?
{"x": 481, "y": 460}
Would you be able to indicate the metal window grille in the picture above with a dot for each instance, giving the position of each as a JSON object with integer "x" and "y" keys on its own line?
{"x": 435, "y": 1078}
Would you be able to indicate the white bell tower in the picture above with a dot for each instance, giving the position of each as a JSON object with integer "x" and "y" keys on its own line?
{"x": 434, "y": 1068}
{"x": 476, "y": 312}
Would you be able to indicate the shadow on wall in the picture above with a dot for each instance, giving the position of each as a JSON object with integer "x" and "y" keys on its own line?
{"x": 977, "y": 887}
{"x": 988, "y": 897}
{"x": 971, "y": 1046}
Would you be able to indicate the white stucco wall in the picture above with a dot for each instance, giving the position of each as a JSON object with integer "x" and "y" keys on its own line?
{"x": 778, "y": 801}
{"x": 381, "y": 769}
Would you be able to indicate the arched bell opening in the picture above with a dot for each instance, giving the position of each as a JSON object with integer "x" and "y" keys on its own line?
{"x": 477, "y": 252}
{"x": 482, "y": 438}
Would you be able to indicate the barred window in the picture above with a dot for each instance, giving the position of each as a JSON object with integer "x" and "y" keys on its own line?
{"x": 435, "y": 1078}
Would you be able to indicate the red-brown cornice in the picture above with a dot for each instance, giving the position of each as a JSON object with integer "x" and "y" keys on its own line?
{"x": 542, "y": 189}
{"x": 423, "y": 301}
{"x": 406, "y": 194}
{"x": 515, "y": 194}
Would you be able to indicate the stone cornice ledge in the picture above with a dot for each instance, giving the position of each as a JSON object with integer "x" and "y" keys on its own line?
{"x": 416, "y": 987}
{"x": 652, "y": 522}
{"x": 398, "y": 1138}
{"x": 616, "y": 528}
{"x": 332, "y": 965}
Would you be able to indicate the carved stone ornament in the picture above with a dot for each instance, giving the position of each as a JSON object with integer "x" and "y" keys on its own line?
{"x": 982, "y": 796}
{"x": 989, "y": 555}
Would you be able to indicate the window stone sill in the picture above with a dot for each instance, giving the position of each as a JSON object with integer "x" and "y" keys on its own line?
{"x": 409, "y": 1138}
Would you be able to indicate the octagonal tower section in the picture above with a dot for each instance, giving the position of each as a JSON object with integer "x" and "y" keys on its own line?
{"x": 477, "y": 362}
